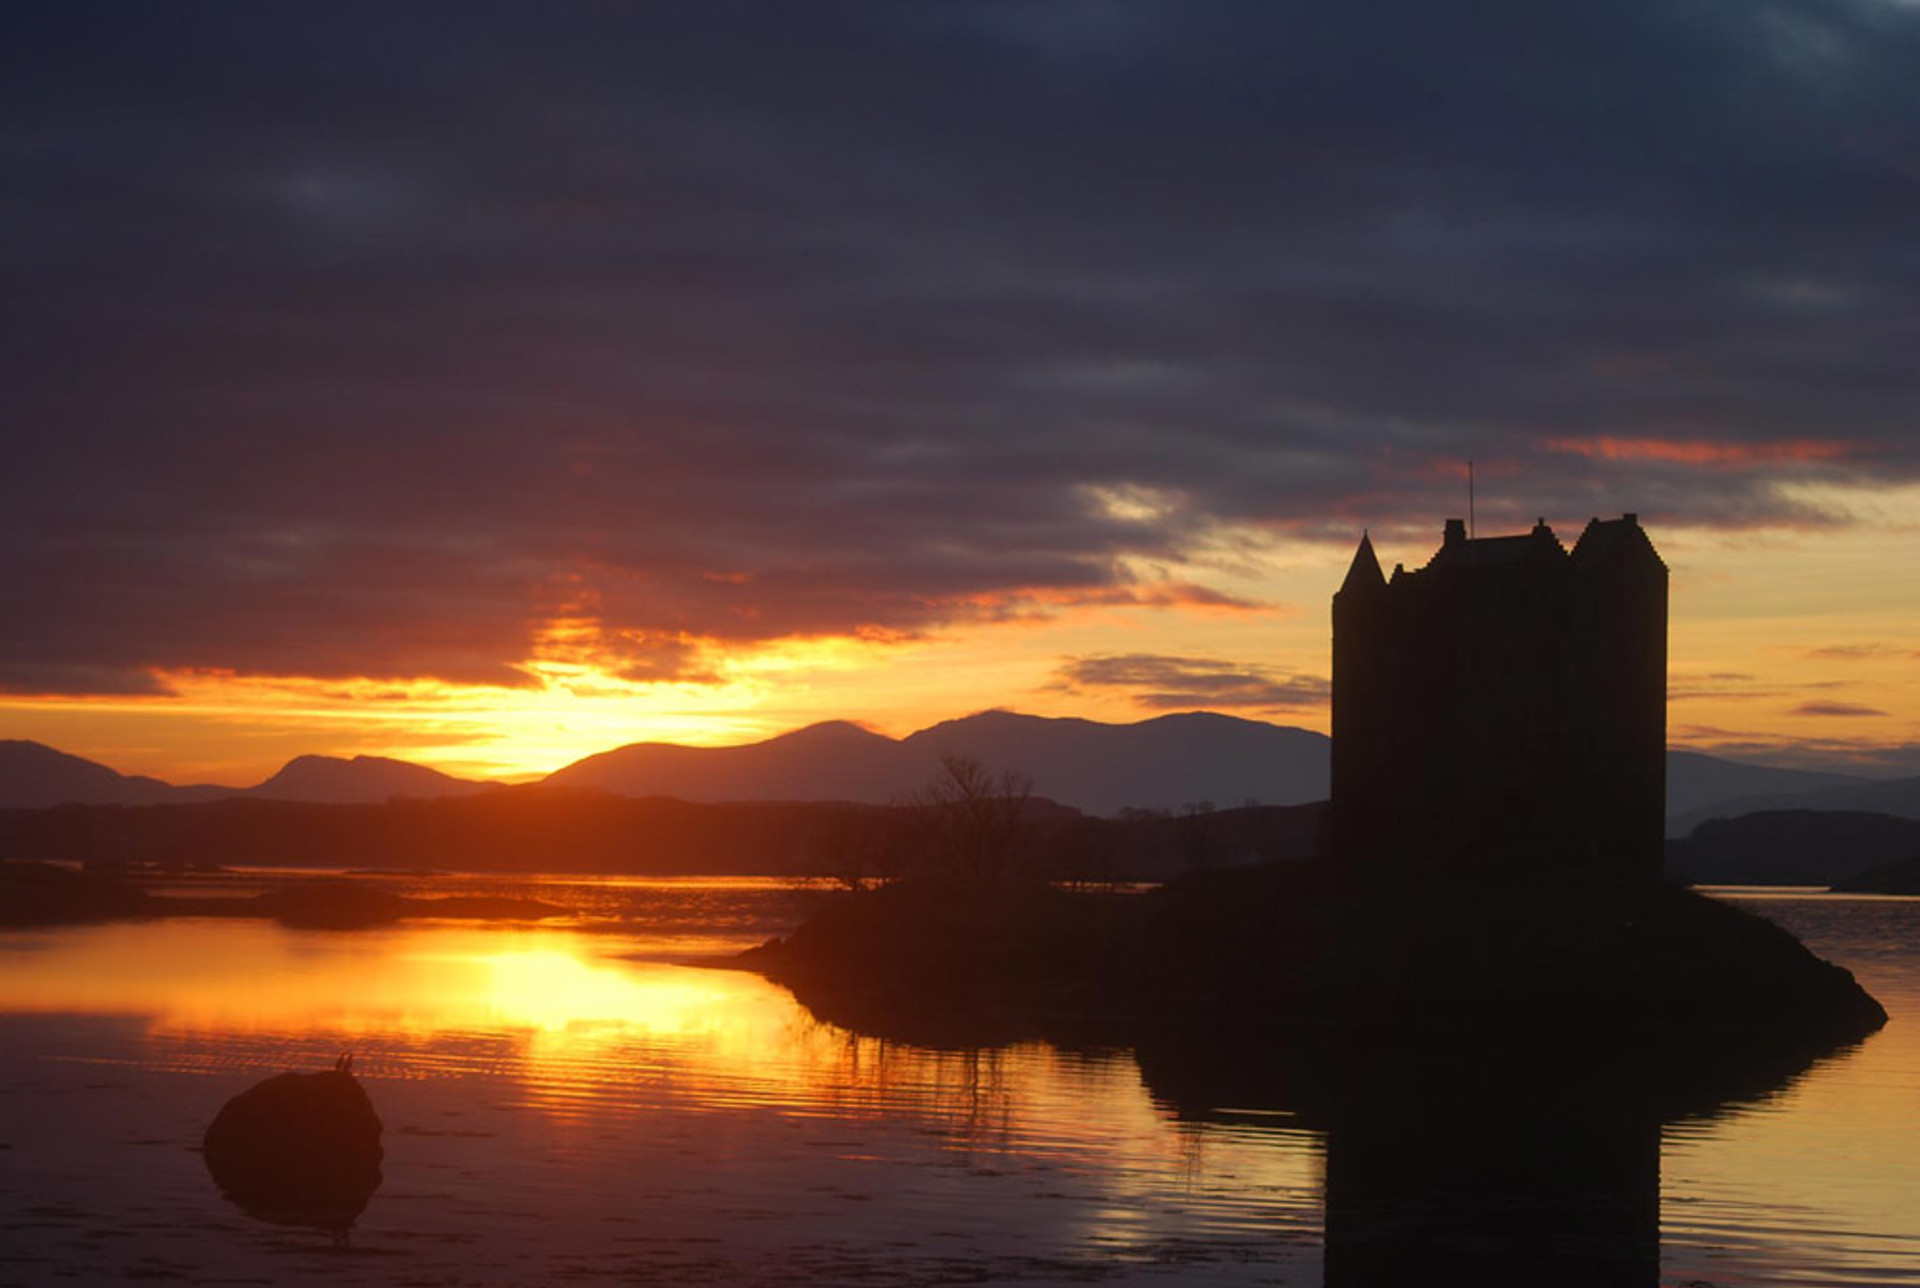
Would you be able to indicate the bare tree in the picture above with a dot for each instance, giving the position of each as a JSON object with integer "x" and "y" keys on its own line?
{"x": 968, "y": 820}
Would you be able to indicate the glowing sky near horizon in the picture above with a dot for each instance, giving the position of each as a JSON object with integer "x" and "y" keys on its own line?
{"x": 1771, "y": 658}
{"x": 491, "y": 387}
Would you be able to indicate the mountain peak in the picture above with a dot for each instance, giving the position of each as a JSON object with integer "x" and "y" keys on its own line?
{"x": 359, "y": 780}
{"x": 1165, "y": 762}
{"x": 1103, "y": 768}
{"x": 845, "y": 731}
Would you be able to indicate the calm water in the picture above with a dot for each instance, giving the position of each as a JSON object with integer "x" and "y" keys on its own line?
{"x": 576, "y": 1104}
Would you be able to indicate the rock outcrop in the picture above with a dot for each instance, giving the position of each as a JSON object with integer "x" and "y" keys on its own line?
{"x": 299, "y": 1149}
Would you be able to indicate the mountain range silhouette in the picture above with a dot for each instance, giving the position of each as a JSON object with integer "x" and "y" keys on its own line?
{"x": 1170, "y": 762}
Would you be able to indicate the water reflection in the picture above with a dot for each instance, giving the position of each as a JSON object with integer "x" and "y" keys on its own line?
{"x": 1521, "y": 1161}
{"x": 189, "y": 975}
{"x": 579, "y": 1026}
{"x": 643, "y": 1099}
{"x": 1500, "y": 1161}
{"x": 1450, "y": 1164}
{"x": 1815, "y": 1184}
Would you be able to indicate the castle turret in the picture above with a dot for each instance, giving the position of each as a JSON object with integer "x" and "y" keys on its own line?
{"x": 1364, "y": 571}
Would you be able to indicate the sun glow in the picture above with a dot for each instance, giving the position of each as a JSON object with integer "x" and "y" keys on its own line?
{"x": 424, "y": 980}
{"x": 588, "y": 689}
{"x": 556, "y": 991}
{"x": 557, "y": 1010}
{"x": 1819, "y": 616}
{"x": 577, "y": 702}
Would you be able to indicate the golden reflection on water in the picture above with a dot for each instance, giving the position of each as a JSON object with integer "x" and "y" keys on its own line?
{"x": 581, "y": 1027}
{"x": 588, "y": 1036}
{"x": 253, "y": 975}
{"x": 562, "y": 993}
{"x": 620, "y": 1094}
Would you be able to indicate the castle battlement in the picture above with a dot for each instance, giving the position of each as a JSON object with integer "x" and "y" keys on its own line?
{"x": 1504, "y": 704}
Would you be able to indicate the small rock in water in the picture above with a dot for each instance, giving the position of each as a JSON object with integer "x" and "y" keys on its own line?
{"x": 299, "y": 1149}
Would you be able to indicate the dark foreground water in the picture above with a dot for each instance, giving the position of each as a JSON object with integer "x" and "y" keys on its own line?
{"x": 574, "y": 1105}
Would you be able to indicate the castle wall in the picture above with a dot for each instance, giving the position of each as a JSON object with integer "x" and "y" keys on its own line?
{"x": 1504, "y": 705}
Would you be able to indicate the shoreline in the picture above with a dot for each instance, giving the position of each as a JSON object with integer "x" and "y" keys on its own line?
{"x": 34, "y": 894}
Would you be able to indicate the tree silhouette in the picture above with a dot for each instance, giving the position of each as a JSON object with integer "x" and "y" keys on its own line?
{"x": 968, "y": 820}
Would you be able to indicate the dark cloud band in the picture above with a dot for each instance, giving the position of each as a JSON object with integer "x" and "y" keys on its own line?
{"x": 353, "y": 340}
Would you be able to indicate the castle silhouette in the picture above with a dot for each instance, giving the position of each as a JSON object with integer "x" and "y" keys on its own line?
{"x": 1504, "y": 707}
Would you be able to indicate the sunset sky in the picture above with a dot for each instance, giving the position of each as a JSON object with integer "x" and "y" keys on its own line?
{"x": 489, "y": 385}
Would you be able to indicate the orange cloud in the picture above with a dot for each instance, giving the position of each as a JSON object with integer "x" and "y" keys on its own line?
{"x": 1835, "y": 709}
{"x": 998, "y": 604}
{"x": 1699, "y": 451}
{"x": 1857, "y": 652}
{"x": 1170, "y": 683}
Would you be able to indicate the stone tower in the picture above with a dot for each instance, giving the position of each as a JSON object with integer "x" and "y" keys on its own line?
{"x": 1505, "y": 706}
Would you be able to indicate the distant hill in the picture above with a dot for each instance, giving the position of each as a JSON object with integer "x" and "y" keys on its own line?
{"x": 1791, "y": 847}
{"x": 1700, "y": 786}
{"x": 835, "y": 761}
{"x": 362, "y": 780}
{"x": 1902, "y": 876}
{"x": 35, "y": 776}
{"x": 1164, "y": 763}
{"x": 1899, "y": 797}
{"x": 1167, "y": 763}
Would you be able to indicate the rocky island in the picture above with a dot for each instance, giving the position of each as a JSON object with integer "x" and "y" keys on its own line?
{"x": 1499, "y": 751}
{"x": 1298, "y": 947}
